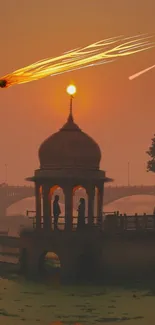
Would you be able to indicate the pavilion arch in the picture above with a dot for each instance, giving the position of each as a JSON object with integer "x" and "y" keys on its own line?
{"x": 58, "y": 190}
{"x": 79, "y": 191}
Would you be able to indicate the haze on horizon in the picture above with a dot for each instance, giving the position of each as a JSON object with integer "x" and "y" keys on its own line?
{"x": 117, "y": 113}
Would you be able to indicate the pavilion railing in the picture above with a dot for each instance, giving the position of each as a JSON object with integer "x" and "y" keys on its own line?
{"x": 61, "y": 222}
{"x": 110, "y": 222}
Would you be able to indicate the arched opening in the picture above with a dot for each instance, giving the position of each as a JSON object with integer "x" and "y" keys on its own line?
{"x": 136, "y": 212}
{"x": 57, "y": 190}
{"x": 20, "y": 207}
{"x": 49, "y": 265}
{"x": 130, "y": 205}
{"x": 17, "y": 217}
{"x": 78, "y": 193}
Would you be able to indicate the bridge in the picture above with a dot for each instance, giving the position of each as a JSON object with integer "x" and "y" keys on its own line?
{"x": 12, "y": 194}
{"x": 115, "y": 193}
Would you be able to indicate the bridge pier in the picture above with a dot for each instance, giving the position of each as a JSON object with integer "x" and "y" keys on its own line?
{"x": 3, "y": 210}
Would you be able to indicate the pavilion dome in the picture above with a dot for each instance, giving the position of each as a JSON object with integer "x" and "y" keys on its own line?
{"x": 70, "y": 147}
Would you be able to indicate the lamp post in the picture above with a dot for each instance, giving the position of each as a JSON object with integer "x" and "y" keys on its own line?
{"x": 6, "y": 173}
{"x": 128, "y": 173}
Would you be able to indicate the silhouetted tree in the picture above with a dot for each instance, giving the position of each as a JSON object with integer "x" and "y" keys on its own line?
{"x": 151, "y": 153}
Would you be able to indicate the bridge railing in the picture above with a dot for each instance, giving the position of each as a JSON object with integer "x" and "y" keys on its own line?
{"x": 125, "y": 222}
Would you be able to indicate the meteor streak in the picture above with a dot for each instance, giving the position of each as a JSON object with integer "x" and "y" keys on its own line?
{"x": 101, "y": 52}
{"x": 136, "y": 75}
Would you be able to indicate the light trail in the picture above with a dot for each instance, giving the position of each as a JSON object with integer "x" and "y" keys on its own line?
{"x": 101, "y": 52}
{"x": 138, "y": 74}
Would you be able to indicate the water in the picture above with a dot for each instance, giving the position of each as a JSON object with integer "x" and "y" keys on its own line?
{"x": 33, "y": 303}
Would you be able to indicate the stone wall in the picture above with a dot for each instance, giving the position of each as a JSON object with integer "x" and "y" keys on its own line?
{"x": 119, "y": 256}
{"x": 128, "y": 255}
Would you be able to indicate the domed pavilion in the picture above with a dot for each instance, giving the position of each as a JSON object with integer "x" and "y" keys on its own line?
{"x": 69, "y": 159}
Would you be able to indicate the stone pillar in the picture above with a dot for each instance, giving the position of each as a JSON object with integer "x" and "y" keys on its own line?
{"x": 100, "y": 204}
{"x": 46, "y": 208}
{"x": 49, "y": 207}
{"x": 3, "y": 210}
{"x": 38, "y": 206}
{"x": 68, "y": 191}
{"x": 91, "y": 197}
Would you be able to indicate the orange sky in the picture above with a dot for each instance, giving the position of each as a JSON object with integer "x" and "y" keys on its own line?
{"x": 118, "y": 113}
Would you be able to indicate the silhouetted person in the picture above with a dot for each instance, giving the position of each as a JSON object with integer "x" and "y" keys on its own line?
{"x": 81, "y": 214}
{"x": 56, "y": 211}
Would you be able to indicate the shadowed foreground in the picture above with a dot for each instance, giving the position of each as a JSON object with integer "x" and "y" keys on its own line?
{"x": 50, "y": 303}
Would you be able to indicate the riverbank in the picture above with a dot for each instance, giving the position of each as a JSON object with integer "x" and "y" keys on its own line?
{"x": 44, "y": 304}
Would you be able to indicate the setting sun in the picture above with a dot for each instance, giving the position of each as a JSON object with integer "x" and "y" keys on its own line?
{"x": 71, "y": 90}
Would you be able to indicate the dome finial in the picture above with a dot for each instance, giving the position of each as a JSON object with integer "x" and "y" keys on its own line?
{"x": 71, "y": 90}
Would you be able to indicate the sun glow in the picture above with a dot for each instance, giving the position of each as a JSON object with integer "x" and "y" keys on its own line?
{"x": 71, "y": 90}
